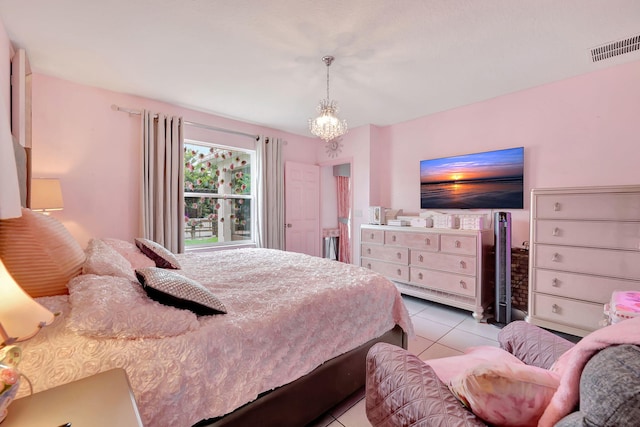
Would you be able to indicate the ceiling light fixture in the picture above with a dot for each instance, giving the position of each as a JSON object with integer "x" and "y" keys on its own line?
{"x": 327, "y": 125}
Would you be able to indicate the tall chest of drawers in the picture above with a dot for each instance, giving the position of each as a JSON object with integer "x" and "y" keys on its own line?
{"x": 441, "y": 265}
{"x": 585, "y": 244}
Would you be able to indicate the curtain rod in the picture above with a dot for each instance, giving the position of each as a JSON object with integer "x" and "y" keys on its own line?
{"x": 115, "y": 107}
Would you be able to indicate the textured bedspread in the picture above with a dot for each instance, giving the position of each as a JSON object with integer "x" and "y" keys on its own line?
{"x": 287, "y": 314}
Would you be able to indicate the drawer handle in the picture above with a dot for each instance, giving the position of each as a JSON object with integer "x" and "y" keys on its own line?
{"x": 372, "y": 235}
{"x": 399, "y": 255}
{"x": 420, "y": 258}
{"x": 428, "y": 241}
{"x": 555, "y": 308}
{"x": 556, "y": 231}
{"x": 555, "y": 283}
{"x": 420, "y": 276}
{"x": 369, "y": 265}
{"x": 393, "y": 238}
{"x": 369, "y": 251}
{"x": 463, "y": 285}
{"x": 555, "y": 257}
{"x": 463, "y": 264}
{"x": 556, "y": 206}
{"x": 457, "y": 243}
{"x": 399, "y": 272}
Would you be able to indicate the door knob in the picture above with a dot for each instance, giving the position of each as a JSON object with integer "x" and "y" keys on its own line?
{"x": 288, "y": 225}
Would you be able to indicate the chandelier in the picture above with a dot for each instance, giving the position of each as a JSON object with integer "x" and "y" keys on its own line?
{"x": 327, "y": 125}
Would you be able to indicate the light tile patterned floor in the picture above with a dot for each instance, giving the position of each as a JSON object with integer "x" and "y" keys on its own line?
{"x": 441, "y": 331}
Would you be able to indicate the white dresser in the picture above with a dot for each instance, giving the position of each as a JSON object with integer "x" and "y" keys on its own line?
{"x": 585, "y": 243}
{"x": 441, "y": 265}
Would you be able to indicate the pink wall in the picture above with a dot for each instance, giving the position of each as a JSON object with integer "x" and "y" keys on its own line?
{"x": 582, "y": 131}
{"x": 95, "y": 152}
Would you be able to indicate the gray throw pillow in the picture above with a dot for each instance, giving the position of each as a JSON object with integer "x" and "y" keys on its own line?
{"x": 171, "y": 288}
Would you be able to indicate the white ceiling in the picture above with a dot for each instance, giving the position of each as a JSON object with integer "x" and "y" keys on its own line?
{"x": 260, "y": 60}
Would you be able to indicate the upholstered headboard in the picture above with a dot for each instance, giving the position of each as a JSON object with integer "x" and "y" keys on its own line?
{"x": 23, "y": 164}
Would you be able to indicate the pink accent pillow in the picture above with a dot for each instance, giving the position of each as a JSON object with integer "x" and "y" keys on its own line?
{"x": 506, "y": 394}
{"x": 158, "y": 253}
{"x": 115, "y": 307}
{"x": 103, "y": 260}
{"x": 447, "y": 368}
{"x": 131, "y": 252}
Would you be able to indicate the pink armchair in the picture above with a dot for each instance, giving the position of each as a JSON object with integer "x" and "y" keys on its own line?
{"x": 401, "y": 390}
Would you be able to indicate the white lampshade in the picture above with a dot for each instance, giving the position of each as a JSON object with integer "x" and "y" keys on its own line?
{"x": 46, "y": 194}
{"x": 20, "y": 316}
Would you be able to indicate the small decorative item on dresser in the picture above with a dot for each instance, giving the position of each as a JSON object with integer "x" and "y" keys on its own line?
{"x": 445, "y": 221}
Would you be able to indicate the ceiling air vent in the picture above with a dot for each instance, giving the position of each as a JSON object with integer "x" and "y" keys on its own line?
{"x": 615, "y": 49}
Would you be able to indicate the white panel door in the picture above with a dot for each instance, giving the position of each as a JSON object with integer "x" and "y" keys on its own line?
{"x": 302, "y": 208}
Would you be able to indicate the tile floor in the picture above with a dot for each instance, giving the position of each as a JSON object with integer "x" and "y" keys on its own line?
{"x": 441, "y": 331}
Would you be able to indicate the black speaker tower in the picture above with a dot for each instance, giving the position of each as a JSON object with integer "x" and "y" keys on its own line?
{"x": 502, "y": 234}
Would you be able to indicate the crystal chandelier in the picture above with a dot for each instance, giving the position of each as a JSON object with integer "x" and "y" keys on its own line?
{"x": 327, "y": 125}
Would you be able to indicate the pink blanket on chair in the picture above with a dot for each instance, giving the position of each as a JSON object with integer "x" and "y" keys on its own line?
{"x": 571, "y": 363}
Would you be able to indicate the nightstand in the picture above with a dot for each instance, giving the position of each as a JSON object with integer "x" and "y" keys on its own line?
{"x": 101, "y": 400}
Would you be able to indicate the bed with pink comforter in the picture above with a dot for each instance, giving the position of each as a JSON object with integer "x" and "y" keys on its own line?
{"x": 287, "y": 313}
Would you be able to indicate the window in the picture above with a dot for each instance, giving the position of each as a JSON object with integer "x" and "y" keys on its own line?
{"x": 218, "y": 195}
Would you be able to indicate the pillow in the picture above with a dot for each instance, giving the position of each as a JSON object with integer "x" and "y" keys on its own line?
{"x": 171, "y": 288}
{"x": 158, "y": 253}
{"x": 115, "y": 307}
{"x": 447, "y": 368}
{"x": 40, "y": 253}
{"x": 103, "y": 260}
{"x": 506, "y": 394}
{"x": 131, "y": 252}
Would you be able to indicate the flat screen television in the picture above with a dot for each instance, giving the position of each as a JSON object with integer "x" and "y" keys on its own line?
{"x": 488, "y": 180}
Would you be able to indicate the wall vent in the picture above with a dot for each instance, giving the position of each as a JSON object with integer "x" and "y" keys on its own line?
{"x": 617, "y": 48}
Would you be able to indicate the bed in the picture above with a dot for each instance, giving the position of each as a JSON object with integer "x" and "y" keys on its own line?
{"x": 291, "y": 345}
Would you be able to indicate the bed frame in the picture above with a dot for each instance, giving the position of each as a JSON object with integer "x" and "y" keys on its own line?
{"x": 309, "y": 397}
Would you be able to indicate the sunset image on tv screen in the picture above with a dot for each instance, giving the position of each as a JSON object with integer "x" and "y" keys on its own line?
{"x": 489, "y": 180}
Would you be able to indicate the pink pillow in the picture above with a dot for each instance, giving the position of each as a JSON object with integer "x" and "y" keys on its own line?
{"x": 506, "y": 394}
{"x": 103, "y": 260}
{"x": 131, "y": 252}
{"x": 447, "y": 368}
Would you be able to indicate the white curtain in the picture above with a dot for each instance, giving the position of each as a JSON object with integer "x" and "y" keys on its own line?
{"x": 270, "y": 194}
{"x": 162, "y": 180}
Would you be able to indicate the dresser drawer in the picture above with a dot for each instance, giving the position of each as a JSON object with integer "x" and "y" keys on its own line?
{"x": 422, "y": 241}
{"x": 602, "y": 234}
{"x": 579, "y": 314}
{"x": 579, "y": 286}
{"x": 453, "y": 283}
{"x": 386, "y": 253}
{"x": 465, "y": 245}
{"x": 614, "y": 206}
{"x": 392, "y": 271}
{"x": 444, "y": 262}
{"x": 604, "y": 262}
{"x": 371, "y": 236}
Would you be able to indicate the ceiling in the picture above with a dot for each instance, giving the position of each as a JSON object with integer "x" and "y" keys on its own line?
{"x": 260, "y": 61}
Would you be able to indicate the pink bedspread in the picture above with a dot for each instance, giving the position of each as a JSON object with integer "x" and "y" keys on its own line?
{"x": 287, "y": 314}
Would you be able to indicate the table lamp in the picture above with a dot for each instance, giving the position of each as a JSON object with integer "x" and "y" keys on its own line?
{"x": 20, "y": 318}
{"x": 46, "y": 195}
